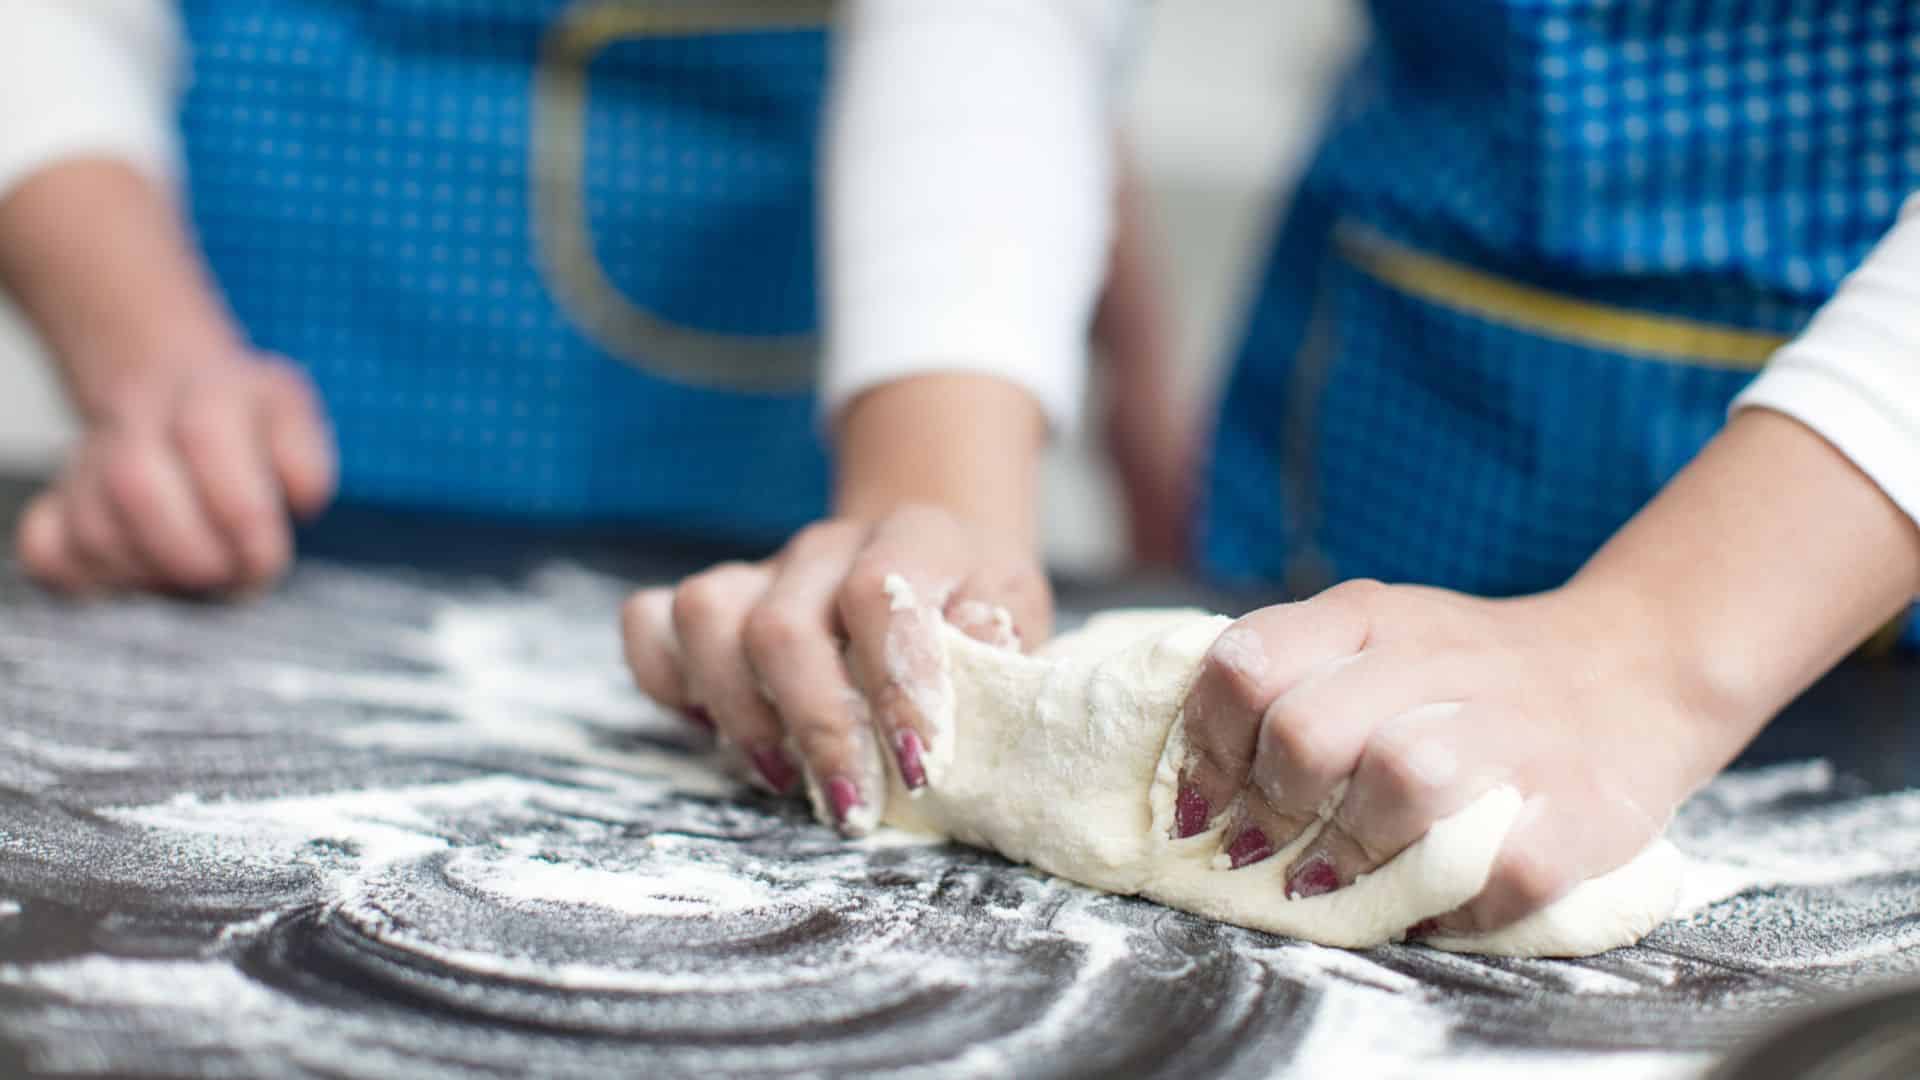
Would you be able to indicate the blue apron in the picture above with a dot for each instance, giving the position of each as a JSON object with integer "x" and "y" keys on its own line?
{"x": 546, "y": 258}
{"x": 1542, "y": 248}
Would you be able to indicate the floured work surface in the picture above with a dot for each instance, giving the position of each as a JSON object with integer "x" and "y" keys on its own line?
{"x": 386, "y": 824}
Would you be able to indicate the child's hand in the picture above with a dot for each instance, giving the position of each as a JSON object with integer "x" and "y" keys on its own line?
{"x": 776, "y": 654}
{"x": 184, "y": 480}
{"x": 1417, "y": 701}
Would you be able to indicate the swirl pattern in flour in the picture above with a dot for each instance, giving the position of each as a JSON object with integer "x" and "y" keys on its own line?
{"x": 387, "y": 824}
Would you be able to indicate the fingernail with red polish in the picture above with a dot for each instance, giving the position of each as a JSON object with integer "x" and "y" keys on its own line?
{"x": 1314, "y": 877}
{"x": 772, "y": 764}
{"x": 1249, "y": 847}
{"x": 699, "y": 716}
{"x": 1423, "y": 928}
{"x": 844, "y": 797}
{"x": 1190, "y": 812}
{"x": 907, "y": 749}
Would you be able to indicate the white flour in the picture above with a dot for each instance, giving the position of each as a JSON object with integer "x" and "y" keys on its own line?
{"x": 495, "y": 821}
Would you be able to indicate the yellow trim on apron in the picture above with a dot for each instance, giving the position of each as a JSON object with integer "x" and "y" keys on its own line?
{"x": 1524, "y": 307}
{"x": 1448, "y": 284}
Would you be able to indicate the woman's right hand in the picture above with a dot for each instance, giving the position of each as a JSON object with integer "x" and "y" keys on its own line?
{"x": 822, "y": 663}
{"x": 184, "y": 480}
{"x": 195, "y": 450}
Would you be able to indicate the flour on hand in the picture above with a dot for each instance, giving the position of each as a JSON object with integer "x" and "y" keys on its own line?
{"x": 1068, "y": 759}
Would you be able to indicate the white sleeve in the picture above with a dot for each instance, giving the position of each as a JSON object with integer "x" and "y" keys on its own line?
{"x": 1853, "y": 375}
{"x": 87, "y": 78}
{"x": 968, "y": 192}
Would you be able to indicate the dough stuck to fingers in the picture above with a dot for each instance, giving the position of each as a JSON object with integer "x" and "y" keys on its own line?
{"x": 1068, "y": 759}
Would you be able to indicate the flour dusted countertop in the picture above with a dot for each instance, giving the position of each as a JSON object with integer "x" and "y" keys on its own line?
{"x": 389, "y": 823}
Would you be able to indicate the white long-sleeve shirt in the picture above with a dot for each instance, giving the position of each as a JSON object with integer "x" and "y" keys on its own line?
{"x": 964, "y": 139}
{"x": 87, "y": 78}
{"x": 1853, "y": 375}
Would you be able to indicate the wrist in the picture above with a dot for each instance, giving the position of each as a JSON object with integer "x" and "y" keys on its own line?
{"x": 1689, "y": 694}
{"x": 966, "y": 444}
{"x": 1760, "y": 567}
{"x": 99, "y": 258}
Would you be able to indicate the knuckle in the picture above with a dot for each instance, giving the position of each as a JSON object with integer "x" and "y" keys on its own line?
{"x": 1290, "y": 739}
{"x": 1019, "y": 583}
{"x": 1364, "y": 594}
{"x": 698, "y": 600}
{"x": 125, "y": 478}
{"x": 865, "y": 588}
{"x": 819, "y": 537}
{"x": 257, "y": 524}
{"x": 196, "y": 421}
{"x": 1240, "y": 670}
{"x": 1402, "y": 772}
{"x": 285, "y": 380}
{"x": 647, "y": 618}
{"x": 772, "y": 632}
{"x": 707, "y": 596}
{"x": 241, "y": 513}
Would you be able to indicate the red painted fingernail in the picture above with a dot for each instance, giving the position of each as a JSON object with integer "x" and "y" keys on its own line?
{"x": 1314, "y": 877}
{"x": 907, "y": 749}
{"x": 1249, "y": 847}
{"x": 843, "y": 797}
{"x": 1423, "y": 928}
{"x": 774, "y": 768}
{"x": 1190, "y": 812}
{"x": 699, "y": 716}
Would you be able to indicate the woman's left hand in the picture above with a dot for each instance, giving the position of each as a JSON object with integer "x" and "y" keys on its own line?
{"x": 1392, "y": 707}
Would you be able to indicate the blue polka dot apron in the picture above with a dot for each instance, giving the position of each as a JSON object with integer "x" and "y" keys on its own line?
{"x": 546, "y": 258}
{"x": 1542, "y": 248}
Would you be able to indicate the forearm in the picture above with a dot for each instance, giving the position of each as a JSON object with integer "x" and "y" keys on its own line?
{"x": 1759, "y": 567}
{"x": 969, "y": 444}
{"x": 99, "y": 257}
{"x": 966, "y": 219}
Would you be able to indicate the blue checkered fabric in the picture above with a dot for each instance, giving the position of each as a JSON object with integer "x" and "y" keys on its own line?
{"x": 1726, "y": 162}
{"x": 369, "y": 182}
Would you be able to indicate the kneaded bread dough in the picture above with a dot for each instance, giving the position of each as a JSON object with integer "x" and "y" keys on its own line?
{"x": 1068, "y": 760}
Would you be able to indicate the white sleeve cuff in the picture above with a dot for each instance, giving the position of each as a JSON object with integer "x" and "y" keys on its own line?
{"x": 87, "y": 78}
{"x": 1853, "y": 376}
{"x": 968, "y": 193}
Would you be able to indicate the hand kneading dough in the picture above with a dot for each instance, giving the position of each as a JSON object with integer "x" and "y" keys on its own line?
{"x": 1067, "y": 760}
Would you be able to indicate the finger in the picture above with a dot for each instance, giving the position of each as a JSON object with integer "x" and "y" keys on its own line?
{"x": 891, "y": 605}
{"x": 1253, "y": 662}
{"x": 41, "y": 540}
{"x": 1007, "y": 604}
{"x": 1414, "y": 771}
{"x": 793, "y": 645}
{"x": 1555, "y": 844}
{"x": 1315, "y": 739}
{"x": 709, "y": 619}
{"x": 299, "y": 440}
{"x": 226, "y": 455}
{"x": 160, "y": 515}
{"x": 1527, "y": 876}
{"x": 95, "y": 544}
{"x": 1258, "y": 832}
{"x": 653, "y": 653}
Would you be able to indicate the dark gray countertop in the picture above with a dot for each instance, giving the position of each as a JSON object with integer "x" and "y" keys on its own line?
{"x": 405, "y": 821}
